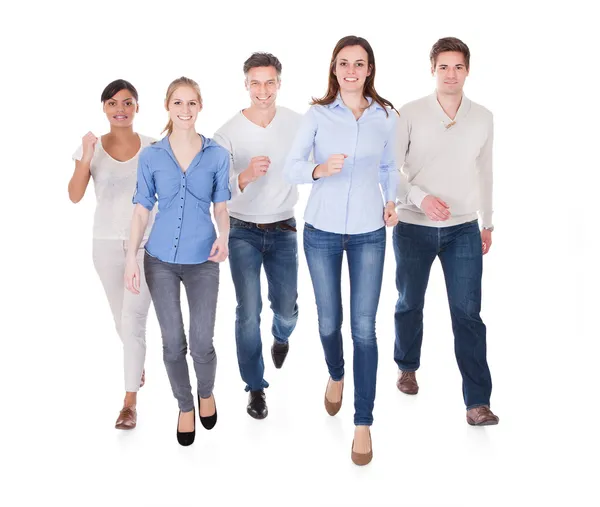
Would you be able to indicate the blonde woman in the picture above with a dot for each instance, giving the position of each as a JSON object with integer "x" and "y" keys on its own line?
{"x": 111, "y": 160}
{"x": 184, "y": 172}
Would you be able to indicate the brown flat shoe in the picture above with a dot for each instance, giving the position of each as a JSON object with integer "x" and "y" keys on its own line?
{"x": 407, "y": 382}
{"x": 333, "y": 408}
{"x": 127, "y": 419}
{"x": 143, "y": 379}
{"x": 481, "y": 416}
{"x": 362, "y": 459}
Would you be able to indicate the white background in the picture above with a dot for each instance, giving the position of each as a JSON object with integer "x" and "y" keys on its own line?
{"x": 534, "y": 64}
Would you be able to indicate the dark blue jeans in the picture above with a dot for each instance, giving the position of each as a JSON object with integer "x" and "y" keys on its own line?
{"x": 459, "y": 250}
{"x": 277, "y": 250}
{"x": 366, "y": 253}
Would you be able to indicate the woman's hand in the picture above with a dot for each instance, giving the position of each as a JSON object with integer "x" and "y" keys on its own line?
{"x": 132, "y": 275}
{"x": 389, "y": 214}
{"x": 219, "y": 250}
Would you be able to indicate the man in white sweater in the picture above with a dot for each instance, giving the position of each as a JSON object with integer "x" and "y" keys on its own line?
{"x": 445, "y": 151}
{"x": 263, "y": 228}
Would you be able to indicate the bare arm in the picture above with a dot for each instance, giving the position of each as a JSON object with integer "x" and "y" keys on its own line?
{"x": 81, "y": 175}
{"x": 220, "y": 248}
{"x": 79, "y": 181}
{"x": 139, "y": 222}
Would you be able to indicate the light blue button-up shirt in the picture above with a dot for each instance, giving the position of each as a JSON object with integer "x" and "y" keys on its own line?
{"x": 350, "y": 202}
{"x": 183, "y": 231}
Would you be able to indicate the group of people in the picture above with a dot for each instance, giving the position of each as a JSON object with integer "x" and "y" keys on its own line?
{"x": 425, "y": 169}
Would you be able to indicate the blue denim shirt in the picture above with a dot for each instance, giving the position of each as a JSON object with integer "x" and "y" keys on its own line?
{"x": 183, "y": 231}
{"x": 351, "y": 201}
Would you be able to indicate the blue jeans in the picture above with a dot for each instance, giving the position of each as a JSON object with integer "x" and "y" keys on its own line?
{"x": 366, "y": 253}
{"x": 459, "y": 250}
{"x": 277, "y": 250}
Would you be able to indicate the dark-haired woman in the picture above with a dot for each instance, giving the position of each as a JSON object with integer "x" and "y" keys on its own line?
{"x": 351, "y": 132}
{"x": 111, "y": 160}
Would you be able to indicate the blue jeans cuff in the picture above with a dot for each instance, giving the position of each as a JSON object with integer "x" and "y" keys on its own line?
{"x": 475, "y": 405}
{"x": 264, "y": 385}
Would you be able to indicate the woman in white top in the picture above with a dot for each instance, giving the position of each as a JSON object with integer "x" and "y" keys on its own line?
{"x": 111, "y": 160}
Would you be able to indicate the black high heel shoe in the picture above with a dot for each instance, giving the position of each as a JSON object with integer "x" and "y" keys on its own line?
{"x": 208, "y": 421}
{"x": 186, "y": 438}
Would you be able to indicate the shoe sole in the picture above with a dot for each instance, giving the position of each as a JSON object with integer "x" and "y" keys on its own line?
{"x": 256, "y": 416}
{"x": 124, "y": 427}
{"x": 410, "y": 393}
{"x": 485, "y": 423}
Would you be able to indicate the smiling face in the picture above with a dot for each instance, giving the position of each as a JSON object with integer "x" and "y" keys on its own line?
{"x": 120, "y": 109}
{"x": 183, "y": 106}
{"x": 450, "y": 72}
{"x": 262, "y": 84}
{"x": 352, "y": 68}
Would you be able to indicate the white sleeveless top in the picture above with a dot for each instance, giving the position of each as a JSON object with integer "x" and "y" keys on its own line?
{"x": 114, "y": 184}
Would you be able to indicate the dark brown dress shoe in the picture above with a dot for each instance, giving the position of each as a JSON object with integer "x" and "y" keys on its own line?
{"x": 407, "y": 382}
{"x": 127, "y": 419}
{"x": 481, "y": 416}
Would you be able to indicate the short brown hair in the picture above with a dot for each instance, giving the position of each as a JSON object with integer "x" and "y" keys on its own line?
{"x": 449, "y": 44}
{"x": 262, "y": 60}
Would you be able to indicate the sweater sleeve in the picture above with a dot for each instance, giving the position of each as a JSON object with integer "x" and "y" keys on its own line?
{"x": 407, "y": 192}
{"x": 484, "y": 167}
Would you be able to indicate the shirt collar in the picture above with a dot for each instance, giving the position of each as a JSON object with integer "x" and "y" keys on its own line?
{"x": 339, "y": 102}
{"x": 166, "y": 145}
{"x": 463, "y": 109}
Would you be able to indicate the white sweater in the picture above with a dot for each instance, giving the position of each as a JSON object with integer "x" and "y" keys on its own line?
{"x": 270, "y": 198}
{"x": 452, "y": 162}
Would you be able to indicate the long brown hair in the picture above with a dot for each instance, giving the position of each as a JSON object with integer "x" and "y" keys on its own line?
{"x": 333, "y": 87}
{"x": 179, "y": 82}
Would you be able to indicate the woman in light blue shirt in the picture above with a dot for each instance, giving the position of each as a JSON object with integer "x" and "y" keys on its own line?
{"x": 350, "y": 132}
{"x": 184, "y": 172}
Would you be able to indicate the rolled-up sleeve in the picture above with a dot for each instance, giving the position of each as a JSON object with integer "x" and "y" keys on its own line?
{"x": 388, "y": 169}
{"x": 145, "y": 190}
{"x": 221, "y": 191}
{"x": 298, "y": 167}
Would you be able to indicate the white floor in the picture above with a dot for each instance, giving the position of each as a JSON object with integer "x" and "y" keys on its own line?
{"x": 424, "y": 451}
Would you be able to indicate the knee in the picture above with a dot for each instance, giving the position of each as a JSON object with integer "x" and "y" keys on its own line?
{"x": 201, "y": 347}
{"x": 329, "y": 325}
{"x": 466, "y": 309}
{"x": 363, "y": 330}
{"x": 174, "y": 349}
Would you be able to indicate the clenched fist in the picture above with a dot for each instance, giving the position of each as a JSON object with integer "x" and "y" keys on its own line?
{"x": 256, "y": 169}
{"x": 88, "y": 142}
{"x": 333, "y": 166}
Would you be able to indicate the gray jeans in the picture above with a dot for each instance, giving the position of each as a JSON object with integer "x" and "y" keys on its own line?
{"x": 201, "y": 282}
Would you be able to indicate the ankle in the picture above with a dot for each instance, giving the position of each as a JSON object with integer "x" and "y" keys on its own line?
{"x": 130, "y": 399}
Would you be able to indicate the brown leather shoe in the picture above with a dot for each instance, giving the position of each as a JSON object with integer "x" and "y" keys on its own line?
{"x": 407, "y": 382}
{"x": 333, "y": 408}
{"x": 362, "y": 459}
{"x": 127, "y": 419}
{"x": 481, "y": 416}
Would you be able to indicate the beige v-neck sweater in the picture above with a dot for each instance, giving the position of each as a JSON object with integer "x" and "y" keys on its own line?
{"x": 452, "y": 161}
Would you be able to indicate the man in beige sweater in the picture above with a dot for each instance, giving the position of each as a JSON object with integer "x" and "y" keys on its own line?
{"x": 445, "y": 152}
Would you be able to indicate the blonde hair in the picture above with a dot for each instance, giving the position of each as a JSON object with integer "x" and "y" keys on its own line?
{"x": 178, "y": 83}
